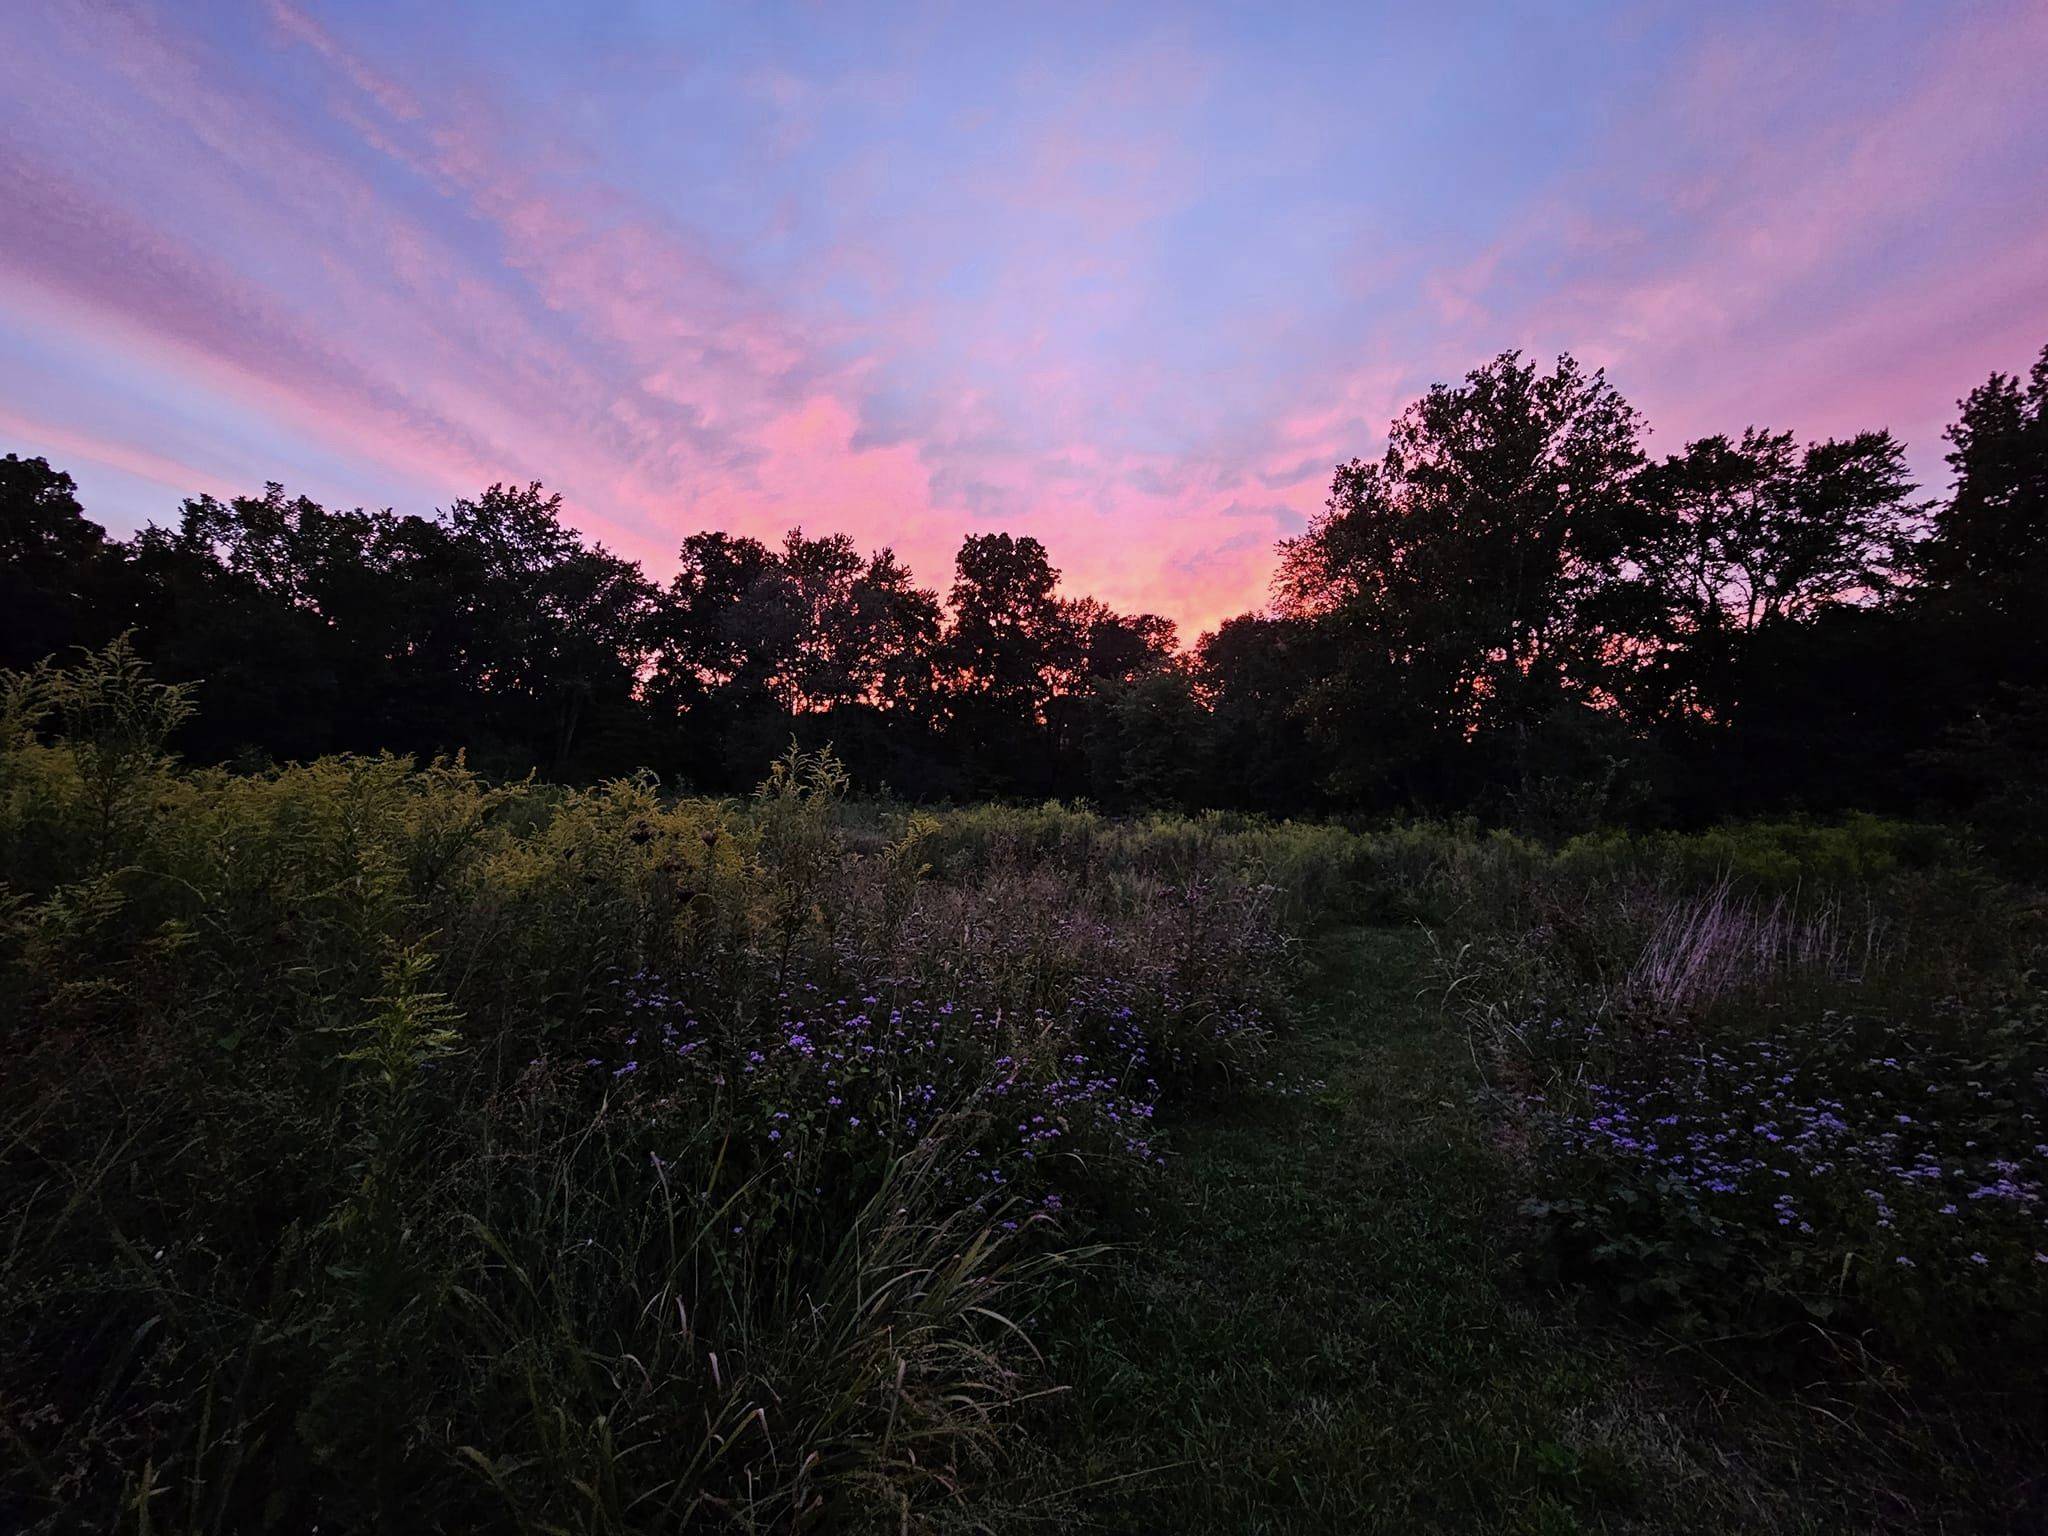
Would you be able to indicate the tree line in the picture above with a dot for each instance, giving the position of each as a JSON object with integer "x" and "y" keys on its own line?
{"x": 1515, "y": 610}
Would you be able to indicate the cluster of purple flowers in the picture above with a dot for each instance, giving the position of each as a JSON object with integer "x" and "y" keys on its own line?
{"x": 875, "y": 1070}
{"x": 1883, "y": 1152}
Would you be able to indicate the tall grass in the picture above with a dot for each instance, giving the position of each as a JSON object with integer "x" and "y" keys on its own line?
{"x": 1716, "y": 944}
{"x": 384, "y": 1147}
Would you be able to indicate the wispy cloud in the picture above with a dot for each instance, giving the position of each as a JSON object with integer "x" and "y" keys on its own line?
{"x": 1126, "y": 282}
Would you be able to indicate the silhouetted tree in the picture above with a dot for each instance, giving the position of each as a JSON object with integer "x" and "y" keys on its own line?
{"x": 52, "y": 565}
{"x": 254, "y": 599}
{"x": 1979, "y": 637}
{"x": 1988, "y": 548}
{"x": 894, "y": 627}
{"x": 1149, "y": 741}
{"x": 1254, "y": 673}
{"x": 1738, "y": 536}
{"x": 1114, "y": 647}
{"x": 548, "y": 632}
{"x": 1008, "y": 641}
{"x": 1510, "y": 611}
{"x": 1465, "y": 580}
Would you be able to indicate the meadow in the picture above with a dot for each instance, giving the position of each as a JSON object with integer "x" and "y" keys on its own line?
{"x": 384, "y": 1146}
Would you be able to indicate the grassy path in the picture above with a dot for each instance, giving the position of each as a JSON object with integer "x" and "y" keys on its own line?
{"x": 1315, "y": 1325}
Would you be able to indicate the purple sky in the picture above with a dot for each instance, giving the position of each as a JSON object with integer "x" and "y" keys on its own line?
{"x": 1128, "y": 278}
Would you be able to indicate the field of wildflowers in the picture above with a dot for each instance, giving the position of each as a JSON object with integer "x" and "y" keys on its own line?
{"x": 385, "y": 1147}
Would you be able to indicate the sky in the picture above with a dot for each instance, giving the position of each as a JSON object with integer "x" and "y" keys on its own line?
{"x": 1128, "y": 278}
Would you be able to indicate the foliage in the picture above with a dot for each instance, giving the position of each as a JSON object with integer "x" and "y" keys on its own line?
{"x": 387, "y": 1145}
{"x": 1467, "y": 569}
{"x": 1796, "y": 1096}
{"x": 1514, "y": 613}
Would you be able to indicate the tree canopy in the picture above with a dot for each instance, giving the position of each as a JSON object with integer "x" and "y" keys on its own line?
{"x": 1513, "y": 606}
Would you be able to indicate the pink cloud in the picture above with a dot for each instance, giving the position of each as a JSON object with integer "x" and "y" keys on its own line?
{"x": 178, "y": 478}
{"x": 1794, "y": 216}
{"x": 796, "y": 445}
{"x": 513, "y": 316}
{"x": 167, "y": 304}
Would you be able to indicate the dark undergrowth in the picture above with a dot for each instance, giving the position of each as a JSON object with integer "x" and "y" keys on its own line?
{"x": 382, "y": 1148}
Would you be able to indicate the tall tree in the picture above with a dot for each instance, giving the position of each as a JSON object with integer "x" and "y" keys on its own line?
{"x": 826, "y": 667}
{"x": 1149, "y": 741}
{"x": 894, "y": 627}
{"x": 1009, "y": 632}
{"x": 705, "y": 639}
{"x": 1256, "y": 673}
{"x": 263, "y": 601}
{"x": 53, "y": 563}
{"x": 752, "y": 645}
{"x": 1471, "y": 580}
{"x": 1978, "y": 619}
{"x": 1003, "y": 652}
{"x": 1115, "y": 647}
{"x": 1989, "y": 545}
{"x": 1735, "y": 536}
{"x": 551, "y": 631}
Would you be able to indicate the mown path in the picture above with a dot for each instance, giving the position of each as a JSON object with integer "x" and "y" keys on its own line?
{"x": 1317, "y": 1323}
